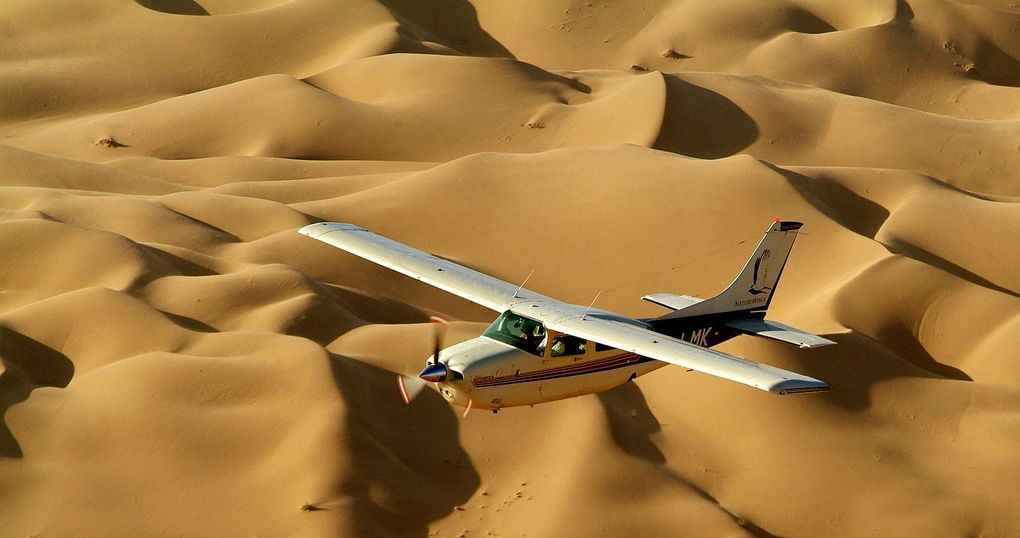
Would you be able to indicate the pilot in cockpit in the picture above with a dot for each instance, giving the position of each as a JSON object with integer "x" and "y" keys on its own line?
{"x": 530, "y": 334}
{"x": 534, "y": 337}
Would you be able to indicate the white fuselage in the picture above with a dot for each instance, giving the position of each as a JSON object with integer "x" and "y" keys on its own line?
{"x": 492, "y": 374}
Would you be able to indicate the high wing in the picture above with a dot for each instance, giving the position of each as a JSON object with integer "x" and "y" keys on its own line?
{"x": 591, "y": 324}
{"x": 476, "y": 287}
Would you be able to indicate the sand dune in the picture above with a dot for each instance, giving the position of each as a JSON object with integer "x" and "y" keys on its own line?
{"x": 177, "y": 360}
{"x": 341, "y": 114}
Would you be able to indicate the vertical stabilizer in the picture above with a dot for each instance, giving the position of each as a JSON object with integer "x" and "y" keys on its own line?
{"x": 753, "y": 288}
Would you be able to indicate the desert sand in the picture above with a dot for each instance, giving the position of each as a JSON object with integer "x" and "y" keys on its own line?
{"x": 179, "y": 361}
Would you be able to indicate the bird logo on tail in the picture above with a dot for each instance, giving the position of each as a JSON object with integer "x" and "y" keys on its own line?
{"x": 760, "y": 274}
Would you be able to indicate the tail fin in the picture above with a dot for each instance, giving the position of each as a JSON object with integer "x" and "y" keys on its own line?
{"x": 752, "y": 290}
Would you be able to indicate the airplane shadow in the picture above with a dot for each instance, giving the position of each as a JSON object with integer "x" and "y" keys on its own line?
{"x": 28, "y": 364}
{"x": 408, "y": 455}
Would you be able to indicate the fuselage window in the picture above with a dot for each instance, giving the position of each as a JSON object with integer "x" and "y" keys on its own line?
{"x": 518, "y": 331}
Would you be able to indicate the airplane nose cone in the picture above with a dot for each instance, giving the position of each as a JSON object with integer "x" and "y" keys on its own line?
{"x": 434, "y": 372}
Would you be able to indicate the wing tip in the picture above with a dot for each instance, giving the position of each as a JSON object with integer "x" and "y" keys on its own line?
{"x": 799, "y": 386}
{"x": 319, "y": 229}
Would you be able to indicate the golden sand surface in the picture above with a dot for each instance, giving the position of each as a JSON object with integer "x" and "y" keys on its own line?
{"x": 179, "y": 361}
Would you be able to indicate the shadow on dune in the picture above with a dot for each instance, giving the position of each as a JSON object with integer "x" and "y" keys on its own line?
{"x": 864, "y": 217}
{"x": 852, "y": 368}
{"x": 28, "y": 364}
{"x": 908, "y": 250}
{"x": 842, "y": 205}
{"x": 406, "y": 466}
{"x": 994, "y": 65}
{"x": 453, "y": 23}
{"x": 701, "y": 123}
{"x": 13, "y": 389}
{"x": 858, "y": 363}
{"x": 190, "y": 324}
{"x": 175, "y": 7}
{"x": 184, "y": 267}
{"x": 903, "y": 11}
{"x": 805, "y": 22}
{"x": 633, "y": 424}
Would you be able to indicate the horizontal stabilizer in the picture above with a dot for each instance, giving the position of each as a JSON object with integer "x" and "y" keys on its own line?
{"x": 777, "y": 331}
{"x": 673, "y": 302}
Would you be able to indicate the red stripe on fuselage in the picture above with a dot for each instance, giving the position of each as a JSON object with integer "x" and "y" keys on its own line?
{"x": 561, "y": 371}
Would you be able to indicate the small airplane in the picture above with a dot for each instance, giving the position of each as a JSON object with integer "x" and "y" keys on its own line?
{"x": 540, "y": 349}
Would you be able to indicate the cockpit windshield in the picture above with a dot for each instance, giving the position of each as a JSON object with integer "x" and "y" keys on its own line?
{"x": 518, "y": 331}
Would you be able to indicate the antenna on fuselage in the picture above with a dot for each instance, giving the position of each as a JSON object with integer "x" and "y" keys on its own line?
{"x": 521, "y": 287}
{"x": 591, "y": 305}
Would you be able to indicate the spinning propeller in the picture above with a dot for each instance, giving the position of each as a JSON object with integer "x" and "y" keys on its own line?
{"x": 434, "y": 371}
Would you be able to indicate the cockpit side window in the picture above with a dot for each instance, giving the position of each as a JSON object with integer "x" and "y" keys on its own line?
{"x": 518, "y": 331}
{"x": 565, "y": 345}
